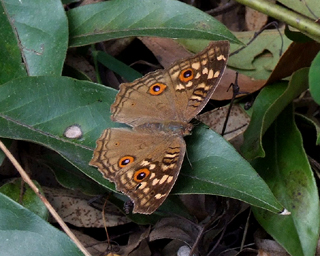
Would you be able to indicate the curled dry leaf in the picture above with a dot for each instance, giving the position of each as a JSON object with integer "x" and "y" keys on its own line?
{"x": 175, "y": 228}
{"x": 137, "y": 244}
{"x": 297, "y": 56}
{"x": 267, "y": 246}
{"x": 237, "y": 122}
{"x": 94, "y": 247}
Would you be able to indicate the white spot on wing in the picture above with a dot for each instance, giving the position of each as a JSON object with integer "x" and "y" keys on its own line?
{"x": 158, "y": 196}
{"x": 163, "y": 179}
{"x": 180, "y": 87}
{"x": 152, "y": 175}
{"x": 196, "y": 65}
{"x": 152, "y": 166}
{"x": 210, "y": 74}
{"x": 143, "y": 185}
{"x": 189, "y": 84}
{"x": 145, "y": 163}
{"x": 155, "y": 182}
{"x": 221, "y": 57}
{"x": 216, "y": 74}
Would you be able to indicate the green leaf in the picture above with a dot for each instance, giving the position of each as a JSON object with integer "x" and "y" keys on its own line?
{"x": 24, "y": 233}
{"x": 117, "y": 66}
{"x": 42, "y": 31}
{"x": 65, "y": 102}
{"x": 10, "y": 57}
{"x": 44, "y": 107}
{"x": 309, "y": 8}
{"x": 167, "y": 18}
{"x": 268, "y": 105}
{"x": 314, "y": 78}
{"x": 218, "y": 169}
{"x": 296, "y": 36}
{"x": 259, "y": 58}
{"x": 28, "y": 198}
{"x": 69, "y": 176}
{"x": 287, "y": 171}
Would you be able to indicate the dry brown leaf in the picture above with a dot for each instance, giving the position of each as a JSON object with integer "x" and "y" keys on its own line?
{"x": 268, "y": 247}
{"x": 255, "y": 20}
{"x": 137, "y": 244}
{"x": 172, "y": 248}
{"x": 271, "y": 248}
{"x": 93, "y": 246}
{"x": 175, "y": 228}
{"x": 298, "y": 55}
{"x": 195, "y": 205}
{"x": 143, "y": 249}
{"x": 247, "y": 85}
{"x": 166, "y": 50}
{"x": 73, "y": 208}
{"x": 237, "y": 122}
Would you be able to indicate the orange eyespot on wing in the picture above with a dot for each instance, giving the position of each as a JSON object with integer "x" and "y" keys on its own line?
{"x": 157, "y": 88}
{"x": 186, "y": 75}
{"x": 124, "y": 161}
{"x": 141, "y": 174}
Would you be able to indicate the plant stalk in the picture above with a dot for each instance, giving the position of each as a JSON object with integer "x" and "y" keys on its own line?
{"x": 296, "y": 20}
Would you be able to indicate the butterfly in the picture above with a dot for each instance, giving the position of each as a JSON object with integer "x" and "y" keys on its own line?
{"x": 144, "y": 162}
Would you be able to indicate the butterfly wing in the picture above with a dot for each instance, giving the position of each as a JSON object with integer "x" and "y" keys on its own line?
{"x": 144, "y": 166}
{"x": 194, "y": 80}
{"x": 174, "y": 94}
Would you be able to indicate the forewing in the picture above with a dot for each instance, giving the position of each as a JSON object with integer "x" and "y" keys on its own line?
{"x": 195, "y": 79}
{"x": 172, "y": 94}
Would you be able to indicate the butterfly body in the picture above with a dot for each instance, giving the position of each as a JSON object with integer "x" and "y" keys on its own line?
{"x": 169, "y": 127}
{"x": 144, "y": 162}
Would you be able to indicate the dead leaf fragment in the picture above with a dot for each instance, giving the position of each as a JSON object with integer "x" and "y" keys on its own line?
{"x": 237, "y": 122}
{"x": 297, "y": 56}
{"x": 247, "y": 85}
{"x": 73, "y": 208}
{"x": 255, "y": 20}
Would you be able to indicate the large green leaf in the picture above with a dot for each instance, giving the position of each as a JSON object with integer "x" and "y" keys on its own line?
{"x": 123, "y": 18}
{"x": 287, "y": 171}
{"x": 44, "y": 107}
{"x": 10, "y": 57}
{"x": 216, "y": 168}
{"x": 42, "y": 31}
{"x": 268, "y": 105}
{"x": 24, "y": 233}
{"x": 28, "y": 198}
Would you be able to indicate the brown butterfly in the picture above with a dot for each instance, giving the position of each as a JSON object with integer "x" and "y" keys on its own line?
{"x": 144, "y": 162}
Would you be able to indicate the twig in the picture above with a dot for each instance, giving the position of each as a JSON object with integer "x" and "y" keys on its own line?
{"x": 53, "y": 212}
{"x": 273, "y": 23}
